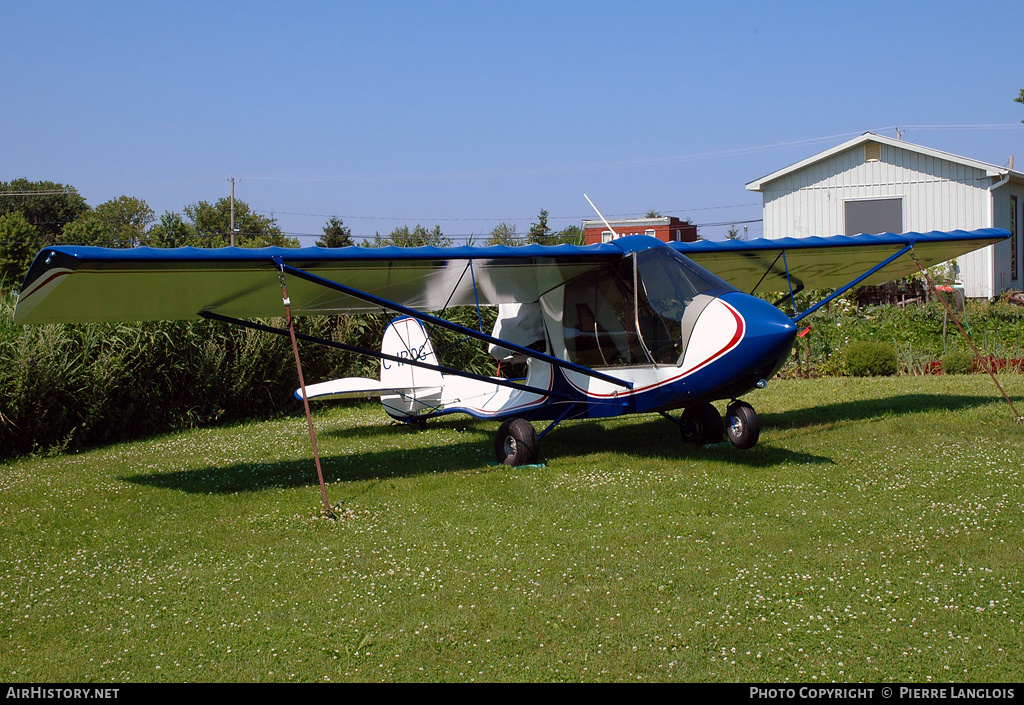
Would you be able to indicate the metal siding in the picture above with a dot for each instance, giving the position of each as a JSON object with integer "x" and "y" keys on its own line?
{"x": 1001, "y": 215}
{"x": 937, "y": 194}
{"x": 976, "y": 273}
{"x": 1018, "y": 191}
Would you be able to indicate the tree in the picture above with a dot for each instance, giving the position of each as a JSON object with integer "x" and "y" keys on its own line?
{"x": 85, "y": 230}
{"x": 47, "y": 206}
{"x": 335, "y": 235}
{"x": 19, "y": 242}
{"x": 1020, "y": 98}
{"x": 504, "y": 234}
{"x": 653, "y": 214}
{"x": 120, "y": 222}
{"x": 212, "y": 224}
{"x": 572, "y": 235}
{"x": 539, "y": 231}
{"x": 125, "y": 220}
{"x": 734, "y": 233}
{"x": 417, "y": 237}
{"x": 171, "y": 231}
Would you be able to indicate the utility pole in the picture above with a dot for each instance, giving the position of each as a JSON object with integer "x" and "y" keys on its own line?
{"x": 232, "y": 226}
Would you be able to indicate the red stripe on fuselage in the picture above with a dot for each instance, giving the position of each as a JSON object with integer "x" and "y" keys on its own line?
{"x": 741, "y": 327}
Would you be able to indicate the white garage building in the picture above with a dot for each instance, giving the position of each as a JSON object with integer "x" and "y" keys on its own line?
{"x": 875, "y": 184}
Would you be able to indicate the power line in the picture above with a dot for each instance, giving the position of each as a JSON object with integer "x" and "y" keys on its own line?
{"x": 464, "y": 236}
{"x": 544, "y": 171}
{"x": 729, "y": 222}
{"x": 423, "y": 219}
{"x": 551, "y": 171}
{"x": 992, "y": 126}
{"x": 39, "y": 193}
{"x": 547, "y": 171}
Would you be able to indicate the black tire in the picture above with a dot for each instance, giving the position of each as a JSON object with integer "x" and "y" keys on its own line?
{"x": 701, "y": 424}
{"x": 742, "y": 425}
{"x": 516, "y": 443}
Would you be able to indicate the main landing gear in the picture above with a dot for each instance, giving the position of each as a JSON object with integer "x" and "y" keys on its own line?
{"x": 701, "y": 425}
{"x": 516, "y": 443}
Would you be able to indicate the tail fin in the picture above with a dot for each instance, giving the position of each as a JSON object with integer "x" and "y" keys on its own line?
{"x": 407, "y": 338}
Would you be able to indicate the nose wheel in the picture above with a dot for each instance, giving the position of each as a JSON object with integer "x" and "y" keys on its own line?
{"x": 741, "y": 425}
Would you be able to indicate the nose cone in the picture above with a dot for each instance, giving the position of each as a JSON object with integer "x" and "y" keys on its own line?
{"x": 767, "y": 341}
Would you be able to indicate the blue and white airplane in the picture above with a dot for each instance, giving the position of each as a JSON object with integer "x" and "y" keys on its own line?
{"x": 635, "y": 325}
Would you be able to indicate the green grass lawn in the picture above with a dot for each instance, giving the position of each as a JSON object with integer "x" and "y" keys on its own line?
{"x": 874, "y": 534}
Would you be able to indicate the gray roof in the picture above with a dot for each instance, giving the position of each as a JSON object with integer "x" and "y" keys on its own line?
{"x": 989, "y": 169}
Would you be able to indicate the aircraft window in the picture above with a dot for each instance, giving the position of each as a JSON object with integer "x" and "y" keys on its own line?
{"x": 669, "y": 283}
{"x": 604, "y": 327}
{"x": 598, "y": 319}
{"x": 687, "y": 276}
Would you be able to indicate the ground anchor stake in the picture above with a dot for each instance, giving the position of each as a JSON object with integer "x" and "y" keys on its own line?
{"x": 977, "y": 355}
{"x": 302, "y": 386}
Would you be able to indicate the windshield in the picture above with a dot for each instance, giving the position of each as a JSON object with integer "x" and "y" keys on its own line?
{"x": 670, "y": 279}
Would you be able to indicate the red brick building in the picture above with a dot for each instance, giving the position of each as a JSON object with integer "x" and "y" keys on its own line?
{"x": 666, "y": 229}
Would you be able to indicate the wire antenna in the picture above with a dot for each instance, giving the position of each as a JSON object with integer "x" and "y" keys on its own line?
{"x": 607, "y": 225}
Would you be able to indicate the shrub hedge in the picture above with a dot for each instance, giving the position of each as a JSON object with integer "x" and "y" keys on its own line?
{"x": 870, "y": 358}
{"x": 73, "y": 386}
{"x": 958, "y": 362}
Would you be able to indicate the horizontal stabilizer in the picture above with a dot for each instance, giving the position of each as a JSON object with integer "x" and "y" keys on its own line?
{"x": 352, "y": 388}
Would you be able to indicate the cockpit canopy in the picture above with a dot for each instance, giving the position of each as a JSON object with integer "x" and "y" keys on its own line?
{"x": 640, "y": 311}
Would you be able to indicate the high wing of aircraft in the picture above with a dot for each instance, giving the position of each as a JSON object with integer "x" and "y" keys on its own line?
{"x": 635, "y": 325}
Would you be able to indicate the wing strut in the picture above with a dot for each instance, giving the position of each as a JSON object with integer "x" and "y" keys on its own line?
{"x": 412, "y": 313}
{"x": 789, "y": 281}
{"x": 767, "y": 271}
{"x": 384, "y": 356}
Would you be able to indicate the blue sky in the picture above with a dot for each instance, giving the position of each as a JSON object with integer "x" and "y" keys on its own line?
{"x": 467, "y": 114}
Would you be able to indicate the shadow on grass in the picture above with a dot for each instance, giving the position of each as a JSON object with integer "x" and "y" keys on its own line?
{"x": 338, "y": 467}
{"x": 653, "y": 438}
{"x": 863, "y": 409}
{"x": 650, "y": 437}
{"x": 656, "y": 438}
